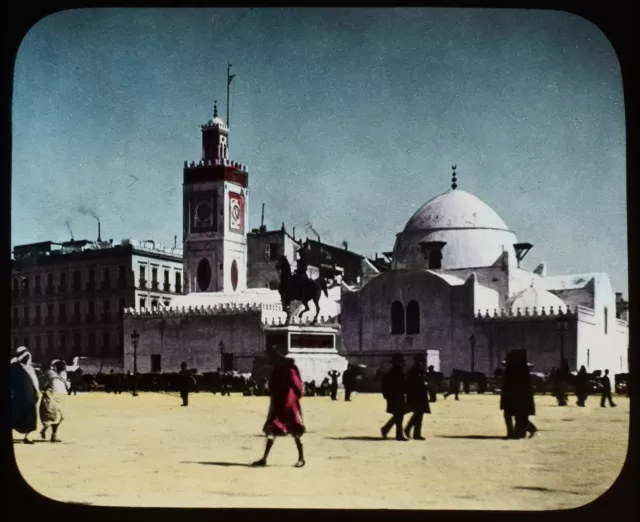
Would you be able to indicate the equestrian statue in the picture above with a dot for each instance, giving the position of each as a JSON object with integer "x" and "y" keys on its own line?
{"x": 298, "y": 286}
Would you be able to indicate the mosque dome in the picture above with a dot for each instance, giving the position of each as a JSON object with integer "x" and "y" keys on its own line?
{"x": 465, "y": 231}
{"x": 534, "y": 297}
{"x": 455, "y": 209}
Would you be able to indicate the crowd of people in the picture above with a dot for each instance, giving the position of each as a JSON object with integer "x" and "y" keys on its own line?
{"x": 404, "y": 393}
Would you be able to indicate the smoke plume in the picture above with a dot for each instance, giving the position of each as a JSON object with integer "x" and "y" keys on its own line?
{"x": 88, "y": 212}
{"x": 68, "y": 225}
{"x": 308, "y": 226}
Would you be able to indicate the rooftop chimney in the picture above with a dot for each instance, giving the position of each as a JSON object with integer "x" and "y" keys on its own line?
{"x": 99, "y": 238}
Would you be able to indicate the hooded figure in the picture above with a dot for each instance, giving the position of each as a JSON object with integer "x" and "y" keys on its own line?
{"x": 54, "y": 395}
{"x": 516, "y": 397}
{"x": 582, "y": 381}
{"x": 285, "y": 412}
{"x": 25, "y": 392}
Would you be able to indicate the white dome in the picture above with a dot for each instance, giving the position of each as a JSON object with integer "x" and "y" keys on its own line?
{"x": 474, "y": 234}
{"x": 534, "y": 297}
{"x": 455, "y": 209}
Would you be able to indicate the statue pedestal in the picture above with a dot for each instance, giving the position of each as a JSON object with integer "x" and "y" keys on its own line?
{"x": 313, "y": 348}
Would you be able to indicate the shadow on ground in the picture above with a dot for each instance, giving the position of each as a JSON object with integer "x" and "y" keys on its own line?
{"x": 222, "y": 464}
{"x": 362, "y": 437}
{"x": 473, "y": 437}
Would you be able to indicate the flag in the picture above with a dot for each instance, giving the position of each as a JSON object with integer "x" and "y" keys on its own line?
{"x": 230, "y": 78}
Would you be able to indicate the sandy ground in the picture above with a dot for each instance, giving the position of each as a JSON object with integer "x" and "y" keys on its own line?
{"x": 148, "y": 451}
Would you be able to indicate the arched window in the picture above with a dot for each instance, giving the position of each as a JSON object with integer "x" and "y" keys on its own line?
{"x": 397, "y": 318}
{"x": 413, "y": 318}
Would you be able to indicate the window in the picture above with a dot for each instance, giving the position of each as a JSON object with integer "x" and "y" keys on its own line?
{"x": 50, "y": 313}
{"x": 25, "y": 342}
{"x": 166, "y": 303}
{"x": 106, "y": 311}
{"x": 178, "y": 283}
{"x": 36, "y": 286}
{"x": 49, "y": 283}
{"x": 106, "y": 343}
{"x": 106, "y": 278}
{"x": 154, "y": 278}
{"x": 606, "y": 317}
{"x": 143, "y": 276}
{"x": 167, "y": 284}
{"x": 413, "y": 318}
{"x": 16, "y": 317}
{"x": 397, "y": 318}
{"x": 77, "y": 281}
{"x": 92, "y": 343}
{"x": 273, "y": 285}
{"x": 62, "y": 313}
{"x": 121, "y": 307}
{"x": 16, "y": 342}
{"x": 154, "y": 303}
{"x": 156, "y": 362}
{"x": 25, "y": 286}
{"x": 91, "y": 316}
{"x": 37, "y": 318}
{"x": 25, "y": 316}
{"x": 76, "y": 312}
{"x": 122, "y": 277}
{"x": 63, "y": 283}
{"x": 143, "y": 303}
{"x": 63, "y": 344}
{"x": 435, "y": 259}
{"x": 49, "y": 343}
{"x": 76, "y": 341}
{"x": 37, "y": 345}
{"x": 91, "y": 283}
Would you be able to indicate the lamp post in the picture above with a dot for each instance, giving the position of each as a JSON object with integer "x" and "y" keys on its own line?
{"x": 472, "y": 342}
{"x": 135, "y": 336}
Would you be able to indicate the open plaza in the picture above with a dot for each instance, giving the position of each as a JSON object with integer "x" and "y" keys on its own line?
{"x": 147, "y": 451}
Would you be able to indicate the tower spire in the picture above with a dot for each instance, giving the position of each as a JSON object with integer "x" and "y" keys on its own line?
{"x": 215, "y": 108}
{"x": 454, "y": 180}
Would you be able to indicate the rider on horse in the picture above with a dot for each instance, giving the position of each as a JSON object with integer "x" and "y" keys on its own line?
{"x": 301, "y": 269}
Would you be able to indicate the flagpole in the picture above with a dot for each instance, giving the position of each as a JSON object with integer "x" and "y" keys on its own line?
{"x": 228, "y": 84}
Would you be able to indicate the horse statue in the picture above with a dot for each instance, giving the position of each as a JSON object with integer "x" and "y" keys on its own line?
{"x": 299, "y": 289}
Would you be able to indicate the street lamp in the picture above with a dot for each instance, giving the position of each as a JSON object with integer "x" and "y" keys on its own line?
{"x": 135, "y": 336}
{"x": 472, "y": 341}
{"x": 221, "y": 346}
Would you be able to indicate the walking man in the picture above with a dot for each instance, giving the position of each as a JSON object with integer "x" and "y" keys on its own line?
{"x": 454, "y": 385}
{"x": 393, "y": 390}
{"x": 186, "y": 383}
{"x": 606, "y": 391}
{"x": 516, "y": 396}
{"x": 285, "y": 413}
{"x": 417, "y": 397}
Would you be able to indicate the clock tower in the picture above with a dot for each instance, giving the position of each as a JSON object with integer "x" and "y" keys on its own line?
{"x": 215, "y": 211}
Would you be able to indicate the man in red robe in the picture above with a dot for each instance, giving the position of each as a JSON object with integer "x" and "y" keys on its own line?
{"x": 285, "y": 413}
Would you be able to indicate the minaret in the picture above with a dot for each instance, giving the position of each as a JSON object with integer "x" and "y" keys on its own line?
{"x": 215, "y": 211}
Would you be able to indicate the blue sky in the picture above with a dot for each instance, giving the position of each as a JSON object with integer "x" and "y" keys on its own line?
{"x": 347, "y": 119}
